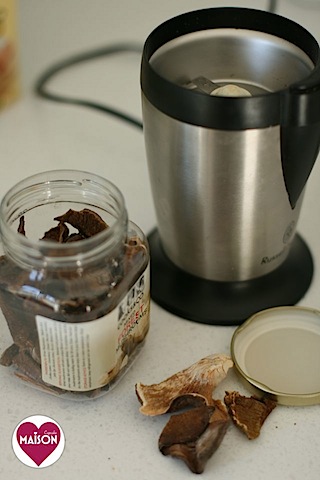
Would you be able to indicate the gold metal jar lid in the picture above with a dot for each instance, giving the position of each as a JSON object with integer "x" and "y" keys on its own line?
{"x": 277, "y": 352}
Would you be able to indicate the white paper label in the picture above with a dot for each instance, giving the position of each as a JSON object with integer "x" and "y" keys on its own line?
{"x": 87, "y": 355}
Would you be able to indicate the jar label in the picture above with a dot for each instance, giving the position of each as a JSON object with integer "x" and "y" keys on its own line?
{"x": 87, "y": 355}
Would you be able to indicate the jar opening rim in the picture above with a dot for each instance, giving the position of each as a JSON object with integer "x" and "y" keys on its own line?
{"x": 14, "y": 205}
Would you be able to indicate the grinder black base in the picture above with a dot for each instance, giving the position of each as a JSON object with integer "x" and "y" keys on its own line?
{"x": 227, "y": 303}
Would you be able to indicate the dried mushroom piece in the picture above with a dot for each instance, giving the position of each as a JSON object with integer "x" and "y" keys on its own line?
{"x": 86, "y": 221}
{"x": 75, "y": 237}
{"x": 199, "y": 381}
{"x": 8, "y": 355}
{"x": 248, "y": 413}
{"x": 21, "y": 227}
{"x": 27, "y": 367}
{"x": 58, "y": 234}
{"x": 194, "y": 435}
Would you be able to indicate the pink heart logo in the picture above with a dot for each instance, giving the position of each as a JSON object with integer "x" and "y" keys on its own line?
{"x": 38, "y": 443}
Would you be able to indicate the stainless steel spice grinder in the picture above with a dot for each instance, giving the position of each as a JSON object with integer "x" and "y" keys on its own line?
{"x": 231, "y": 114}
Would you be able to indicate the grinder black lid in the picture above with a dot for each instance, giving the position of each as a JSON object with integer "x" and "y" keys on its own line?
{"x": 293, "y": 102}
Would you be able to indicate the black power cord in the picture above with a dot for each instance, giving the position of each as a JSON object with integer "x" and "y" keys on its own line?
{"x": 41, "y": 88}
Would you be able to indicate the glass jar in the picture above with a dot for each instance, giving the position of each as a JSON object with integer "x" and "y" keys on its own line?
{"x": 74, "y": 283}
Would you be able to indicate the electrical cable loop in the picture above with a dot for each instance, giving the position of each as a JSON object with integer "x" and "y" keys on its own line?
{"x": 41, "y": 86}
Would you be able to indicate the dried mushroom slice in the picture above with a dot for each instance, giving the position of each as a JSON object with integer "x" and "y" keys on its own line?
{"x": 57, "y": 234}
{"x": 86, "y": 221}
{"x": 199, "y": 380}
{"x": 248, "y": 413}
{"x": 8, "y": 355}
{"x": 21, "y": 227}
{"x": 75, "y": 237}
{"x": 194, "y": 435}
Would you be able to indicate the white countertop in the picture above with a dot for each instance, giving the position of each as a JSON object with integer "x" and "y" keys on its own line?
{"x": 108, "y": 438}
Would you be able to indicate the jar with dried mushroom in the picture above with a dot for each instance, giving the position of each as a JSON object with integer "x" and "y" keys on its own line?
{"x": 74, "y": 283}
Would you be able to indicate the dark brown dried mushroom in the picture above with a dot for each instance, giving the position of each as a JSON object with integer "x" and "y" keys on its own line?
{"x": 194, "y": 435}
{"x": 75, "y": 237}
{"x": 8, "y": 355}
{"x": 57, "y": 234}
{"x": 248, "y": 413}
{"x": 199, "y": 380}
{"x": 86, "y": 221}
{"x": 21, "y": 227}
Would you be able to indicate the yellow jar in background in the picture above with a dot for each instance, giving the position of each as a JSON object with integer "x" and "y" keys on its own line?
{"x": 9, "y": 82}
